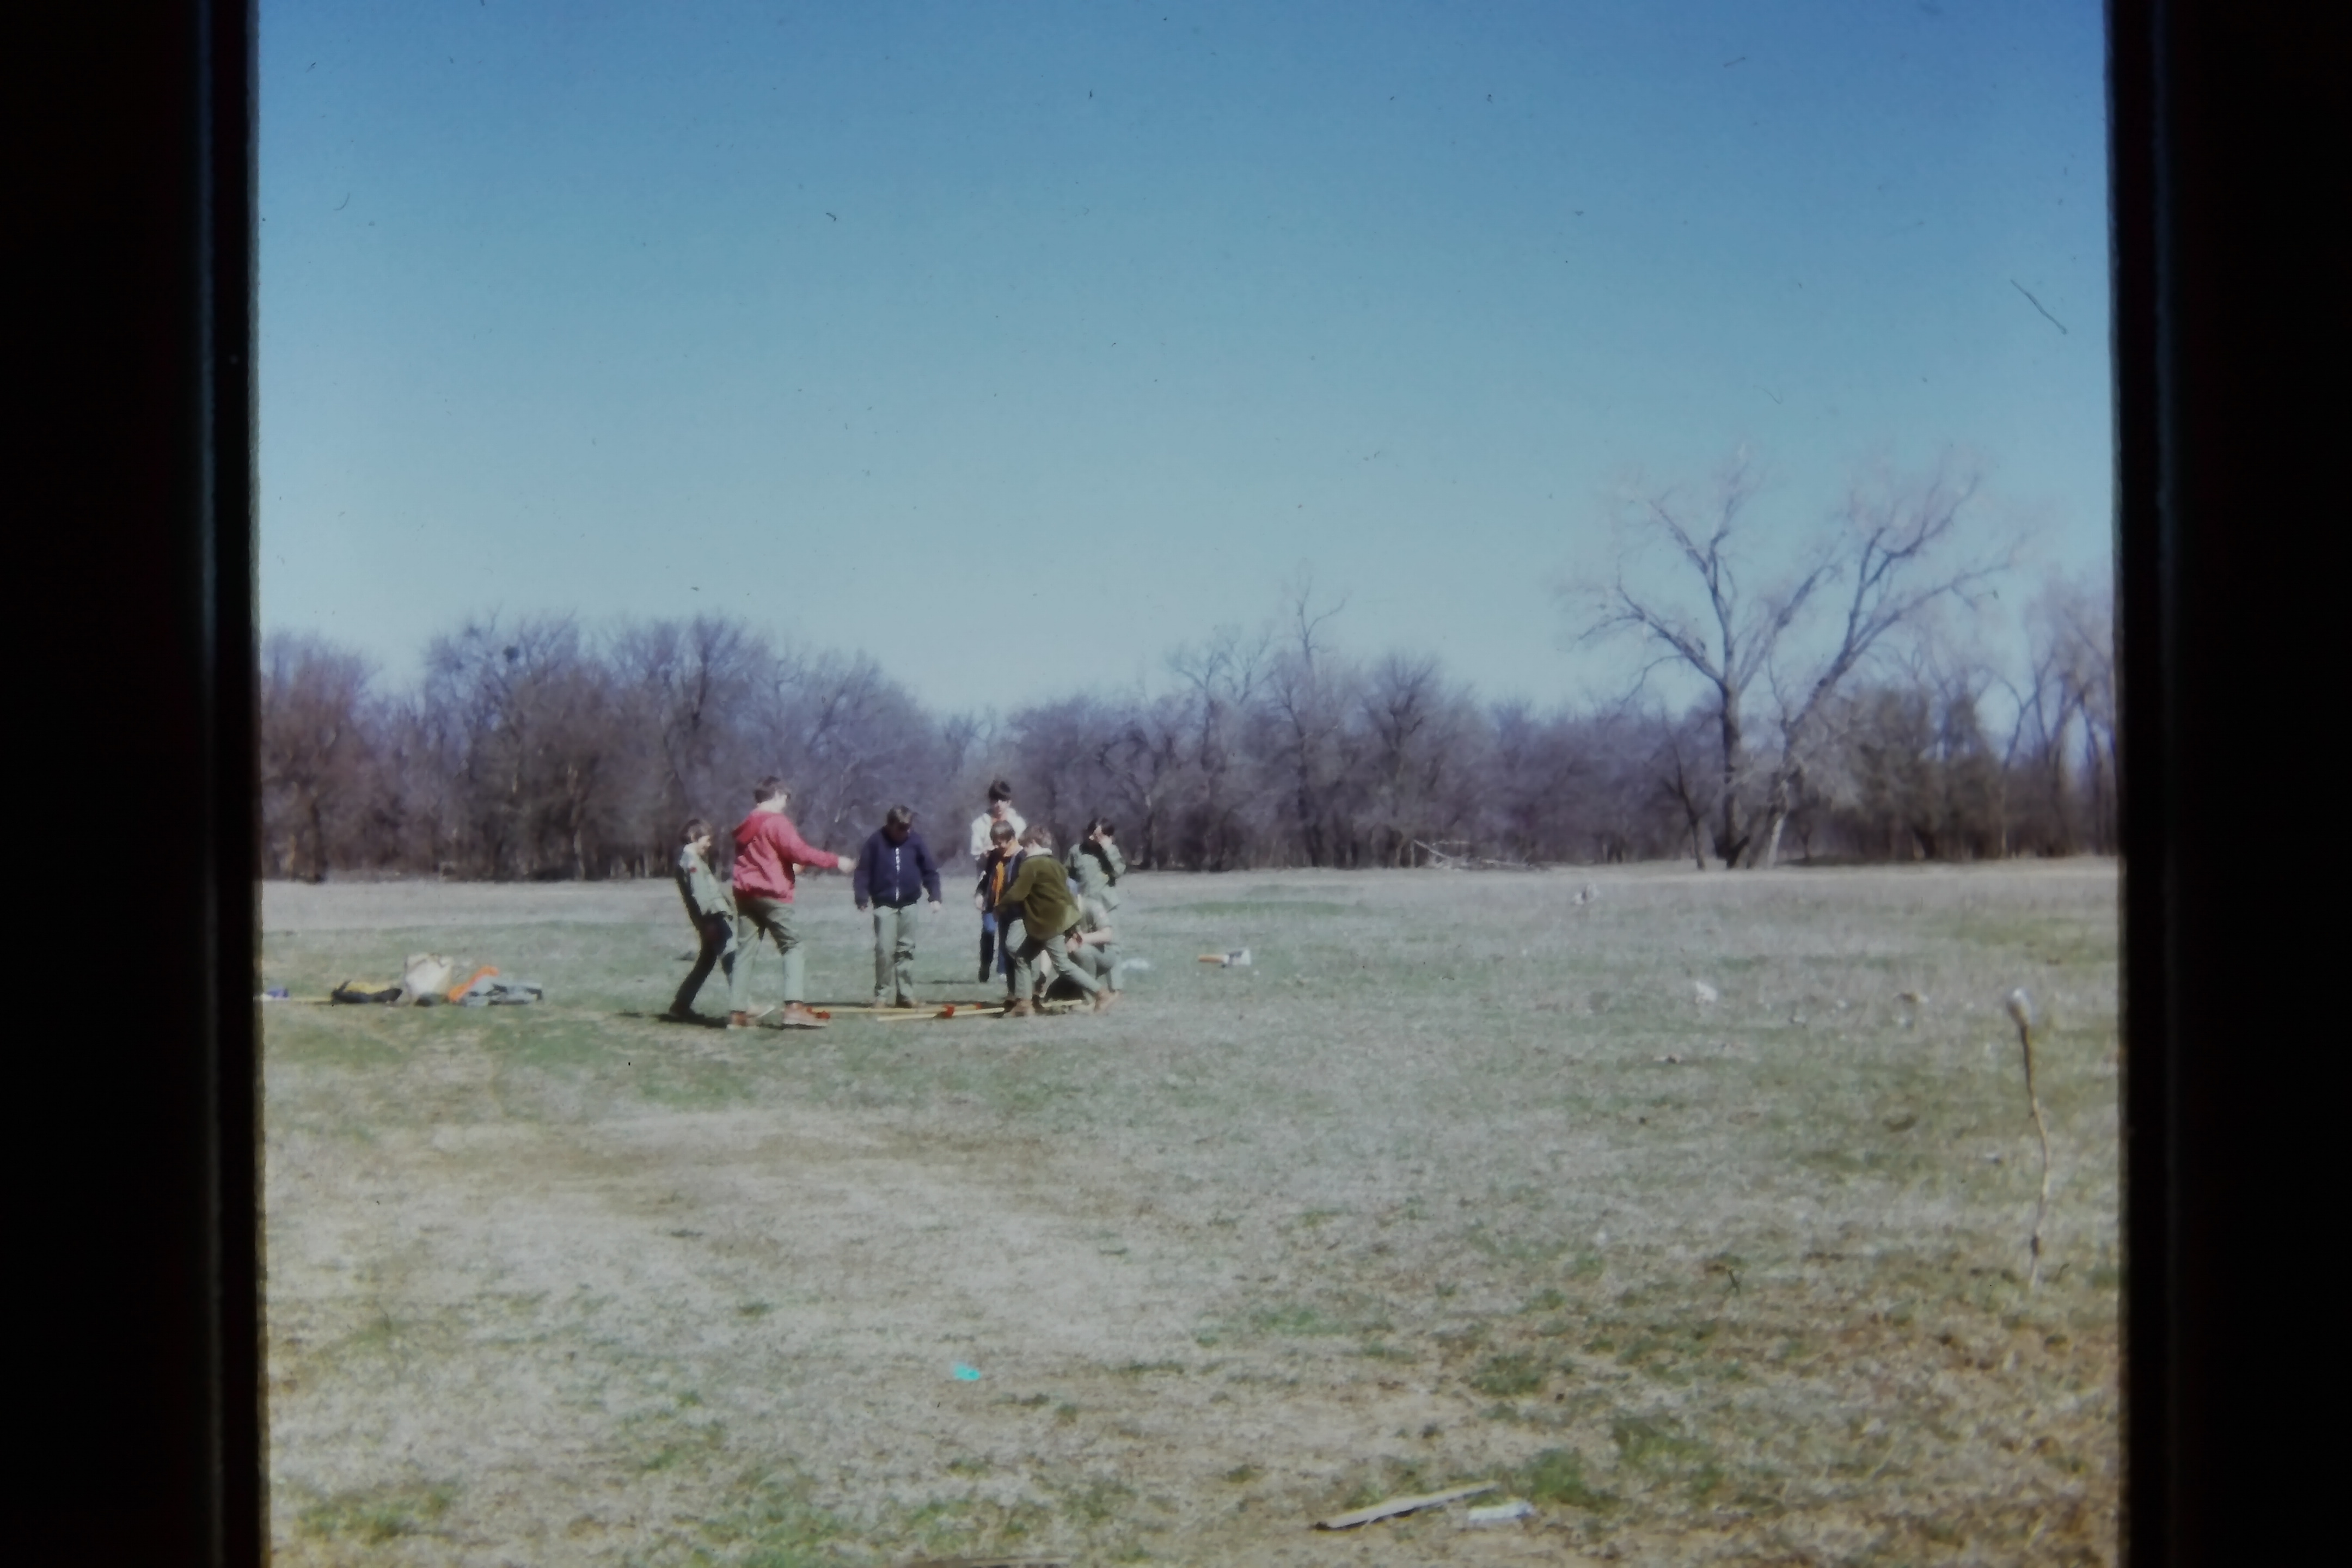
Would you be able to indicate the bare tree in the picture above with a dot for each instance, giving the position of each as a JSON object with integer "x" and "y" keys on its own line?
{"x": 1890, "y": 556}
{"x": 1580, "y": 786}
{"x": 852, "y": 740}
{"x": 1422, "y": 739}
{"x": 1143, "y": 759}
{"x": 1683, "y": 779}
{"x": 695, "y": 682}
{"x": 417, "y": 820}
{"x": 1530, "y": 772}
{"x": 533, "y": 748}
{"x": 314, "y": 748}
{"x": 1719, "y": 625}
{"x": 1307, "y": 693}
{"x": 541, "y": 744}
{"x": 2071, "y": 700}
{"x": 1726, "y": 637}
{"x": 1224, "y": 674}
{"x": 1060, "y": 749}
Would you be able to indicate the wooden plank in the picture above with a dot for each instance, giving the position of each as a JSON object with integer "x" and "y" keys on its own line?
{"x": 1395, "y": 1506}
{"x": 929, "y": 1015}
{"x": 868, "y": 1010}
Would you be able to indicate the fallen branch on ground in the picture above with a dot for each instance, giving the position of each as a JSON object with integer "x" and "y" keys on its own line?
{"x": 1395, "y": 1506}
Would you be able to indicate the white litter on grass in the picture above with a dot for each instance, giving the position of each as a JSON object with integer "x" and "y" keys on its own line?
{"x": 1135, "y": 966}
{"x": 1500, "y": 1512}
{"x": 1708, "y": 994}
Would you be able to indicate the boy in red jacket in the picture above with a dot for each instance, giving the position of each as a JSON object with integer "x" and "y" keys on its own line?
{"x": 767, "y": 849}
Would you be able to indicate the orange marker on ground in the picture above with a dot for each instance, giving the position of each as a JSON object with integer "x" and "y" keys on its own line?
{"x": 457, "y": 992}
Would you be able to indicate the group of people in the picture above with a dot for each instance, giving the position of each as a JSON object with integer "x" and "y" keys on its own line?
{"x": 1046, "y": 923}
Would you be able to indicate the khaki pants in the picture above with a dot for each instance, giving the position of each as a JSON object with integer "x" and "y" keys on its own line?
{"x": 757, "y": 917}
{"x": 1008, "y": 939}
{"x": 1057, "y": 956}
{"x": 894, "y": 954}
{"x": 1101, "y": 961}
{"x": 1100, "y": 958}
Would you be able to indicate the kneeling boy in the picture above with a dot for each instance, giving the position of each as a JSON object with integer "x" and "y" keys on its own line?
{"x": 1093, "y": 947}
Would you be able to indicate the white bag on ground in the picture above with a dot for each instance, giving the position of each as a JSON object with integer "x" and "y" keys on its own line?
{"x": 425, "y": 975}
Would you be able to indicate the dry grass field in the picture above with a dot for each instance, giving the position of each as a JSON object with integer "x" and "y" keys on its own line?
{"x": 1460, "y": 1181}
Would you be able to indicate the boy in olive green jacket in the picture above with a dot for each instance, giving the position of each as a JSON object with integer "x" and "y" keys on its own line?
{"x": 1040, "y": 895}
{"x": 711, "y": 909}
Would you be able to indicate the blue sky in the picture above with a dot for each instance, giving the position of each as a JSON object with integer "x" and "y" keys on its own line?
{"x": 1016, "y": 345}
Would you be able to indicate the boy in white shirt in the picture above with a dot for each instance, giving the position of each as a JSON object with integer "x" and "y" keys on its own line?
{"x": 1000, "y": 809}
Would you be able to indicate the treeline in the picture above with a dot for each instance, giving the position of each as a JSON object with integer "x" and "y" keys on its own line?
{"x": 539, "y": 749}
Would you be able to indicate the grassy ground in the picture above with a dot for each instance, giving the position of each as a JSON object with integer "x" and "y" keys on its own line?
{"x": 1460, "y": 1181}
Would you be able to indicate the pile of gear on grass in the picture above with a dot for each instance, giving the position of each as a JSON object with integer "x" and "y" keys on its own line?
{"x": 424, "y": 982}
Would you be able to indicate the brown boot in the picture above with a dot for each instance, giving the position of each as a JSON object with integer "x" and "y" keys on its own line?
{"x": 1104, "y": 1001}
{"x": 798, "y": 1016}
{"x": 738, "y": 1020}
{"x": 1021, "y": 1009}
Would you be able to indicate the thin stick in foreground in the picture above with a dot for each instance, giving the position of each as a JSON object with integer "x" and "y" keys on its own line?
{"x": 1394, "y": 1506}
{"x": 2021, "y": 1012}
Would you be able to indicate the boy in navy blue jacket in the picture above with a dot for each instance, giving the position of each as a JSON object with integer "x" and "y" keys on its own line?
{"x": 895, "y": 875}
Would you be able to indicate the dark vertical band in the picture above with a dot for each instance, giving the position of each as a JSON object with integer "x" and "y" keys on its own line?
{"x": 134, "y": 1227}
{"x": 2229, "y": 200}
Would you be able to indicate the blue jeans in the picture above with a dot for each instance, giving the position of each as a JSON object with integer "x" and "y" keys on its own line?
{"x": 990, "y": 948}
